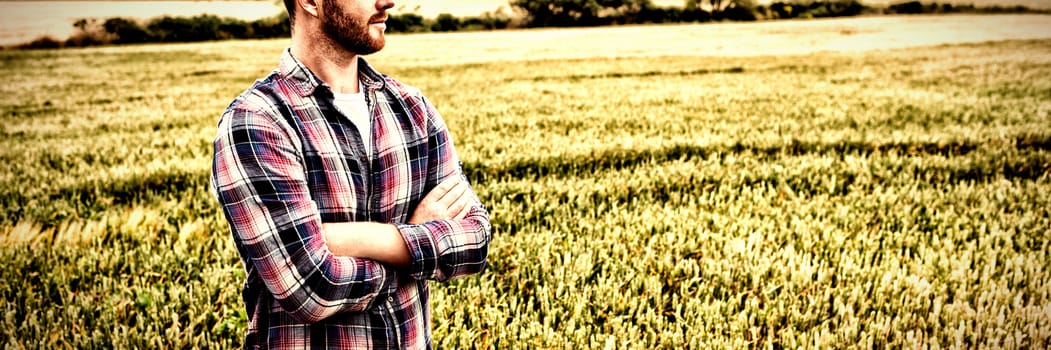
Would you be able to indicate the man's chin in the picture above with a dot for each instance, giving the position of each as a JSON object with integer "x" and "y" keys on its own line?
{"x": 376, "y": 46}
{"x": 378, "y": 42}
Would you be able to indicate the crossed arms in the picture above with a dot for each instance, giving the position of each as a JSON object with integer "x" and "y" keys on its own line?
{"x": 313, "y": 269}
{"x": 450, "y": 200}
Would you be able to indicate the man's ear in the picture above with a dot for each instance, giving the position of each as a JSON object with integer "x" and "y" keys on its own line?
{"x": 311, "y": 7}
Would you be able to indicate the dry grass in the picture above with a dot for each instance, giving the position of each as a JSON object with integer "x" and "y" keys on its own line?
{"x": 867, "y": 199}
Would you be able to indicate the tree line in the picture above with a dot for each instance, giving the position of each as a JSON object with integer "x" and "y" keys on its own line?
{"x": 570, "y": 13}
{"x": 120, "y": 30}
{"x": 527, "y": 14}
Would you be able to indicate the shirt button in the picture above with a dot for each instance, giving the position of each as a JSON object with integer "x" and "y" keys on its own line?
{"x": 390, "y": 299}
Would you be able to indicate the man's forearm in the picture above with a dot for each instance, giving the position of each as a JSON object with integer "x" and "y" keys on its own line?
{"x": 369, "y": 240}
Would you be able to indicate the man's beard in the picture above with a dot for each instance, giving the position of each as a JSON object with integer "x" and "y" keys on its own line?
{"x": 348, "y": 32}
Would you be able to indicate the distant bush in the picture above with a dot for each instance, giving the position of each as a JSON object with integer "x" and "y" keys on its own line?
{"x": 446, "y": 23}
{"x": 119, "y": 30}
{"x": 272, "y": 27}
{"x": 93, "y": 38}
{"x": 406, "y": 23}
{"x": 43, "y": 42}
{"x": 696, "y": 15}
{"x": 654, "y": 14}
{"x": 571, "y": 13}
{"x": 414, "y": 23}
{"x": 916, "y": 7}
{"x": 198, "y": 28}
{"x": 234, "y": 28}
{"x": 488, "y": 21}
{"x": 835, "y": 8}
{"x": 738, "y": 13}
{"x": 126, "y": 31}
{"x": 816, "y": 9}
{"x": 910, "y": 7}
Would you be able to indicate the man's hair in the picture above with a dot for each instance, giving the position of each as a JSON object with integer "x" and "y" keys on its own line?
{"x": 290, "y": 6}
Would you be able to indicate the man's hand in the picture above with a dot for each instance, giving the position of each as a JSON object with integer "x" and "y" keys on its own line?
{"x": 449, "y": 200}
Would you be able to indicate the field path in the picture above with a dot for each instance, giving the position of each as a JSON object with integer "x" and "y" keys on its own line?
{"x": 723, "y": 39}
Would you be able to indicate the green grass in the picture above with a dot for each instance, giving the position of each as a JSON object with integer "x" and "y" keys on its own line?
{"x": 879, "y": 199}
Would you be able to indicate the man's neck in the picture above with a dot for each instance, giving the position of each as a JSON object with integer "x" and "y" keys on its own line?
{"x": 333, "y": 65}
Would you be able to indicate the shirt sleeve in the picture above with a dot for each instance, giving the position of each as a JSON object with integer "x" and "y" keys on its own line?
{"x": 444, "y": 249}
{"x": 260, "y": 182}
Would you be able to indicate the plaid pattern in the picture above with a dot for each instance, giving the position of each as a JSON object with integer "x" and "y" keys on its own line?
{"x": 286, "y": 160}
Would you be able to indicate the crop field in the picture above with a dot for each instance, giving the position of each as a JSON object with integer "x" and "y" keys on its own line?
{"x": 872, "y": 199}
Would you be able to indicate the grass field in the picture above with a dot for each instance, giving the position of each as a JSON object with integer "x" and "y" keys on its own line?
{"x": 876, "y": 199}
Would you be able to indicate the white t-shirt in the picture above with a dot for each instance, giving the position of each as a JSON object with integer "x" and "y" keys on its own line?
{"x": 354, "y": 107}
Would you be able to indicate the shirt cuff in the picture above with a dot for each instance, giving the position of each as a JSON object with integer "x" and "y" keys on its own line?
{"x": 422, "y": 249}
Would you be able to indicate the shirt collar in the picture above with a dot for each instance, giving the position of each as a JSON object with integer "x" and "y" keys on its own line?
{"x": 306, "y": 83}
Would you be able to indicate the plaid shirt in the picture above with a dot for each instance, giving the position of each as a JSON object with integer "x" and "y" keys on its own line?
{"x": 286, "y": 160}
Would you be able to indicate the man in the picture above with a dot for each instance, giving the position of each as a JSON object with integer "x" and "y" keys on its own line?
{"x": 343, "y": 192}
